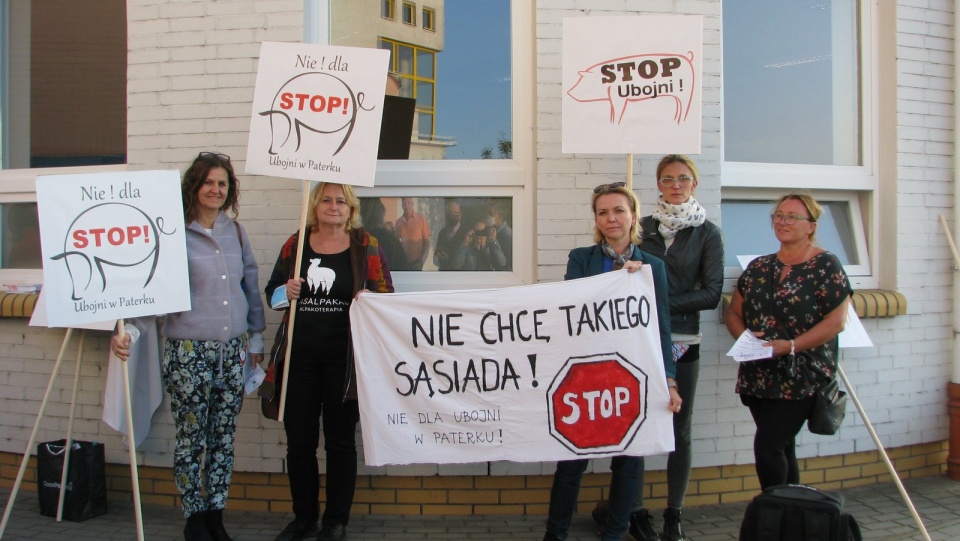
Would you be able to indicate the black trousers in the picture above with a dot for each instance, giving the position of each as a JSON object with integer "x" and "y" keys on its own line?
{"x": 315, "y": 390}
{"x": 774, "y": 445}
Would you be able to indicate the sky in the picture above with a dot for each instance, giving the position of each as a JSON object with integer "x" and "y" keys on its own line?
{"x": 473, "y": 74}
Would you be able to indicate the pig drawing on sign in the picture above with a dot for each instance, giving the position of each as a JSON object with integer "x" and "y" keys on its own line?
{"x": 90, "y": 246}
{"x": 317, "y": 102}
{"x": 320, "y": 277}
{"x": 620, "y": 81}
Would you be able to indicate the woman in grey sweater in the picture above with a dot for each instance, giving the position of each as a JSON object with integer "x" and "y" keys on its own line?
{"x": 207, "y": 346}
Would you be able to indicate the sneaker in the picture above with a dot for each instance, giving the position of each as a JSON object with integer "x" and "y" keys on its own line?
{"x": 641, "y": 526}
{"x": 297, "y": 530}
{"x": 672, "y": 530}
{"x": 332, "y": 532}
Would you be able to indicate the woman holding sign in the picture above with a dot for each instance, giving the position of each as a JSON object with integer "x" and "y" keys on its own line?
{"x": 340, "y": 261}
{"x": 616, "y": 212}
{"x": 207, "y": 346}
{"x": 796, "y": 300}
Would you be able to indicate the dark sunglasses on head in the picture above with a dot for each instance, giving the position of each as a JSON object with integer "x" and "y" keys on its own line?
{"x": 215, "y": 156}
{"x": 608, "y": 187}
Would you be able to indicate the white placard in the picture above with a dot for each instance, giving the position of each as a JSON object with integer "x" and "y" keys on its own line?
{"x": 317, "y": 111}
{"x": 113, "y": 246}
{"x": 632, "y": 84}
{"x": 536, "y": 373}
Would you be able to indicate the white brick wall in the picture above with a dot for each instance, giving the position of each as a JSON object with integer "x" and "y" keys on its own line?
{"x": 191, "y": 76}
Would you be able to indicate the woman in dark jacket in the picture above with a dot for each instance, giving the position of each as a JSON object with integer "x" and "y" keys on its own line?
{"x": 616, "y": 211}
{"x": 692, "y": 248}
{"x": 339, "y": 262}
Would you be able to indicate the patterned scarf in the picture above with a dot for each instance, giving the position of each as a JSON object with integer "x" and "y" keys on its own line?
{"x": 618, "y": 259}
{"x": 674, "y": 218}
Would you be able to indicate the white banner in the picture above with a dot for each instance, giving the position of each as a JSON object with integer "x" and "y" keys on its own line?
{"x": 632, "y": 84}
{"x": 317, "y": 111}
{"x": 113, "y": 246}
{"x": 529, "y": 374}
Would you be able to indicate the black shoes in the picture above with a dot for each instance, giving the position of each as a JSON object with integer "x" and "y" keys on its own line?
{"x": 641, "y": 526}
{"x": 672, "y": 530}
{"x": 196, "y": 528}
{"x": 298, "y": 530}
{"x": 215, "y": 526}
{"x": 332, "y": 532}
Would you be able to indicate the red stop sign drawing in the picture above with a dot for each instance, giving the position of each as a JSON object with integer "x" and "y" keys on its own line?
{"x": 597, "y": 403}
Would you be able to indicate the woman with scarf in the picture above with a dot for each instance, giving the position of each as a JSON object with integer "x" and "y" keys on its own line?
{"x": 692, "y": 249}
{"x": 616, "y": 212}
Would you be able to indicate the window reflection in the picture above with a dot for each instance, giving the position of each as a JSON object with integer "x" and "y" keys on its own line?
{"x": 20, "y": 239}
{"x": 463, "y": 105}
{"x": 442, "y": 233}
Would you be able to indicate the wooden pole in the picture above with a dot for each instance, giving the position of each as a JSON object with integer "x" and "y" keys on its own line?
{"x": 304, "y": 237}
{"x": 131, "y": 441}
{"x": 33, "y": 435}
{"x": 68, "y": 443}
{"x": 883, "y": 454}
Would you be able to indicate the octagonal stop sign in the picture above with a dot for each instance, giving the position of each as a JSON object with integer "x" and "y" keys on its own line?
{"x": 597, "y": 403}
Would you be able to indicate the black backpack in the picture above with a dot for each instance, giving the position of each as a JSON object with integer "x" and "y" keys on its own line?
{"x": 798, "y": 513}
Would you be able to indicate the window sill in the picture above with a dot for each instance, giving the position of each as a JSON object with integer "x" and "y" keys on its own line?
{"x": 868, "y": 303}
{"x": 17, "y": 305}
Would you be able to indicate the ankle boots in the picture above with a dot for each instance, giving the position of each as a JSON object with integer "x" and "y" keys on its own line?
{"x": 672, "y": 530}
{"x": 215, "y": 526}
{"x": 196, "y": 528}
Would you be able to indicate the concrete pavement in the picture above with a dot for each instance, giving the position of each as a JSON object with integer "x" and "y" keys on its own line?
{"x": 880, "y": 510}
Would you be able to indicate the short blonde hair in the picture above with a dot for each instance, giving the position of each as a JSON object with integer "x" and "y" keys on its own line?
{"x": 618, "y": 188}
{"x": 813, "y": 208}
{"x": 353, "y": 222}
{"x": 677, "y": 158}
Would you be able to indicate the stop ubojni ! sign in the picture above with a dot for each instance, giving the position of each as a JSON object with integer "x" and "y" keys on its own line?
{"x": 597, "y": 403}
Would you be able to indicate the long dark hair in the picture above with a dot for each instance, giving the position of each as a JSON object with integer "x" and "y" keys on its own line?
{"x": 196, "y": 175}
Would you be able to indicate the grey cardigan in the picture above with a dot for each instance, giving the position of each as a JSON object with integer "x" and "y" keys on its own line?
{"x": 222, "y": 308}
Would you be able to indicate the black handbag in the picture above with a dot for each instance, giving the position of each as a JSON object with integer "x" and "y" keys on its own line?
{"x": 828, "y": 409}
{"x": 86, "y": 493}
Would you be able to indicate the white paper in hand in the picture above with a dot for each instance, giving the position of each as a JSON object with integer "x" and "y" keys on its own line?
{"x": 252, "y": 378}
{"x": 749, "y": 348}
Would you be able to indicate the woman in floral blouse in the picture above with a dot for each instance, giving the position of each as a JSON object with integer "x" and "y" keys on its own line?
{"x": 796, "y": 300}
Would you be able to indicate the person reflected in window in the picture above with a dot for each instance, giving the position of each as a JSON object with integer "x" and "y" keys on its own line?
{"x": 414, "y": 234}
{"x": 796, "y": 300}
{"x": 504, "y": 236}
{"x": 372, "y": 211}
{"x": 450, "y": 238}
{"x": 480, "y": 250}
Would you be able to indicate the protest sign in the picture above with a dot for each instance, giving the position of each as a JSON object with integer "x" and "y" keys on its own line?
{"x": 113, "y": 246}
{"x": 317, "y": 111}
{"x": 632, "y": 84}
{"x": 534, "y": 373}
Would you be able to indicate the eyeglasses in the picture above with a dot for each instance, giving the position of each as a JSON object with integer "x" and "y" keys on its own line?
{"x": 670, "y": 182}
{"x": 609, "y": 187}
{"x": 215, "y": 156}
{"x": 788, "y": 219}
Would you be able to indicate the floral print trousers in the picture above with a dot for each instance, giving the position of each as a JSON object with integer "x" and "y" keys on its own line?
{"x": 205, "y": 382}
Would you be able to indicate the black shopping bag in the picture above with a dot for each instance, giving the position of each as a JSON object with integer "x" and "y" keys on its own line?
{"x": 86, "y": 495}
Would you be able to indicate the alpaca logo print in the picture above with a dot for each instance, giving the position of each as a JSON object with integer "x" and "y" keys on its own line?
{"x": 313, "y": 102}
{"x": 320, "y": 278}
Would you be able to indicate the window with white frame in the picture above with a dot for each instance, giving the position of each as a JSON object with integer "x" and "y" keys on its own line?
{"x": 469, "y": 114}
{"x": 797, "y": 104}
{"x": 63, "y": 109}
